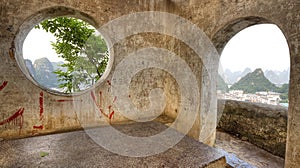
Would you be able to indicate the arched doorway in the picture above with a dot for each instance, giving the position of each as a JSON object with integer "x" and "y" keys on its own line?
{"x": 224, "y": 37}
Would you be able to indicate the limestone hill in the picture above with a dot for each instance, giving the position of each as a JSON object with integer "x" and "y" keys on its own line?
{"x": 254, "y": 82}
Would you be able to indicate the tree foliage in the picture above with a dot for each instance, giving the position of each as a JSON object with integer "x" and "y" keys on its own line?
{"x": 84, "y": 52}
{"x": 284, "y": 90}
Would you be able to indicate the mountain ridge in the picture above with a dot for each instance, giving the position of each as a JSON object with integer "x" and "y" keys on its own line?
{"x": 42, "y": 71}
{"x": 254, "y": 82}
{"x": 275, "y": 76}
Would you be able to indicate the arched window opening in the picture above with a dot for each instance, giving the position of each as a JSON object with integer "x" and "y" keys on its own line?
{"x": 255, "y": 66}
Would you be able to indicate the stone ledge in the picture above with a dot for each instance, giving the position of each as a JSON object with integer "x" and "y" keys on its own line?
{"x": 260, "y": 124}
{"x": 77, "y": 149}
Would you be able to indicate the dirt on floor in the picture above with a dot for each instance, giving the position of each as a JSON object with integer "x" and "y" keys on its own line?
{"x": 244, "y": 154}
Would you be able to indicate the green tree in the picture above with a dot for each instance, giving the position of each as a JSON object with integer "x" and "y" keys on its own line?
{"x": 284, "y": 90}
{"x": 84, "y": 52}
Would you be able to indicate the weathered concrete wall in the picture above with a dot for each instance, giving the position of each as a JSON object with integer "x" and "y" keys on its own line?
{"x": 261, "y": 124}
{"x": 29, "y": 109}
{"x": 219, "y": 19}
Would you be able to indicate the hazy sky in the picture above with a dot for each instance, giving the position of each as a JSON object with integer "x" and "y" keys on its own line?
{"x": 38, "y": 44}
{"x": 260, "y": 46}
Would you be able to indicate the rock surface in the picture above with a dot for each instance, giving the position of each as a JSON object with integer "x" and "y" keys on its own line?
{"x": 244, "y": 154}
{"x": 260, "y": 124}
{"x": 77, "y": 149}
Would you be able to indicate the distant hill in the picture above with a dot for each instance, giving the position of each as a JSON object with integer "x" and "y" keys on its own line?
{"x": 233, "y": 77}
{"x": 284, "y": 90}
{"x": 221, "y": 85}
{"x": 274, "y": 76}
{"x": 42, "y": 71}
{"x": 30, "y": 67}
{"x": 278, "y": 77}
{"x": 56, "y": 65}
{"x": 254, "y": 82}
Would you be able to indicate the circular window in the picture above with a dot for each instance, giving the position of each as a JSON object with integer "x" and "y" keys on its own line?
{"x": 65, "y": 55}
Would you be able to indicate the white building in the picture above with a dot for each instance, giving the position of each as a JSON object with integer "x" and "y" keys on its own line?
{"x": 272, "y": 98}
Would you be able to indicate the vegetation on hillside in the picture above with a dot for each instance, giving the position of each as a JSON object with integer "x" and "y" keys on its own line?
{"x": 284, "y": 90}
{"x": 221, "y": 84}
{"x": 257, "y": 82}
{"x": 254, "y": 82}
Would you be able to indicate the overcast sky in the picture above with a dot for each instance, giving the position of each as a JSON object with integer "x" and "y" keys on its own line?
{"x": 260, "y": 46}
{"x": 38, "y": 44}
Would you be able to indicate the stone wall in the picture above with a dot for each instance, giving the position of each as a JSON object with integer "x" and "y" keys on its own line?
{"x": 37, "y": 110}
{"x": 28, "y": 109}
{"x": 260, "y": 124}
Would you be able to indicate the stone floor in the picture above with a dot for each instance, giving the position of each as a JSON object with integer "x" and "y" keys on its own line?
{"x": 238, "y": 153}
{"x": 244, "y": 154}
{"x": 77, "y": 149}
